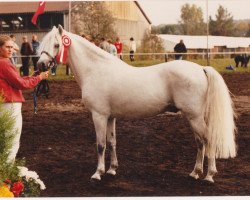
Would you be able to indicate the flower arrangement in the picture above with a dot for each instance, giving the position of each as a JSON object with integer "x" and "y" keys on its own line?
{"x": 15, "y": 179}
{"x": 28, "y": 185}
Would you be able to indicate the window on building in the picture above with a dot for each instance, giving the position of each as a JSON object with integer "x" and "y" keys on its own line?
{"x": 22, "y": 22}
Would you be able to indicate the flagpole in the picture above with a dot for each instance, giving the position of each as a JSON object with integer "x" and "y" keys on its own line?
{"x": 69, "y": 15}
{"x": 69, "y": 27}
{"x": 208, "y": 61}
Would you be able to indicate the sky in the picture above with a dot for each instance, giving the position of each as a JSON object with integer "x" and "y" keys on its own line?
{"x": 169, "y": 11}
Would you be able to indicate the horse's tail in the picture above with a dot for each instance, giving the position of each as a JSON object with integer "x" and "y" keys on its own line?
{"x": 219, "y": 117}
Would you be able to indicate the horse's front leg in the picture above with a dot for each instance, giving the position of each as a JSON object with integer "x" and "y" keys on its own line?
{"x": 100, "y": 122}
{"x": 111, "y": 135}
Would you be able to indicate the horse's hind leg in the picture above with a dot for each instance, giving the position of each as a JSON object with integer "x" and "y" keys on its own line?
{"x": 198, "y": 168}
{"x": 211, "y": 168}
{"x": 199, "y": 127}
{"x": 100, "y": 122}
{"x": 111, "y": 136}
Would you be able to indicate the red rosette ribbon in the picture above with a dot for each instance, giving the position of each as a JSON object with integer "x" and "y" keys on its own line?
{"x": 63, "y": 52}
{"x": 17, "y": 188}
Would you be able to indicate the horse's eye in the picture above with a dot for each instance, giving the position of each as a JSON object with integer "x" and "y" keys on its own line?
{"x": 56, "y": 45}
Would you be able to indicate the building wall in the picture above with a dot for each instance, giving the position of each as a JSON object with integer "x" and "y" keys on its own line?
{"x": 123, "y": 10}
{"x": 127, "y": 29}
{"x": 130, "y": 20}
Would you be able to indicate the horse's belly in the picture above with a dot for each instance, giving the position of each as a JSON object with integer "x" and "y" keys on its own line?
{"x": 138, "y": 109}
{"x": 132, "y": 114}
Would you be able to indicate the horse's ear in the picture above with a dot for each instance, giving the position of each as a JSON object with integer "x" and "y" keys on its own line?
{"x": 60, "y": 28}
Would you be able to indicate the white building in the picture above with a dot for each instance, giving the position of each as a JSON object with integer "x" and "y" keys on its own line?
{"x": 215, "y": 44}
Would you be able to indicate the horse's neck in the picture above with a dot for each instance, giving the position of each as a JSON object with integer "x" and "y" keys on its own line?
{"x": 84, "y": 58}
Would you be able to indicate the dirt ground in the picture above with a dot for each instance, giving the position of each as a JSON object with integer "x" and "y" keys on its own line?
{"x": 155, "y": 154}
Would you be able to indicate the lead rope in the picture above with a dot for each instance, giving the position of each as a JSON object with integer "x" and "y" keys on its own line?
{"x": 41, "y": 89}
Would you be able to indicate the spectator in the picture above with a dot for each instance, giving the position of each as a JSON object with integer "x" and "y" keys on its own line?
{"x": 132, "y": 49}
{"x": 104, "y": 45}
{"x": 11, "y": 86}
{"x": 35, "y": 44}
{"x": 112, "y": 48}
{"x": 83, "y": 35}
{"x": 91, "y": 39}
{"x": 97, "y": 42}
{"x": 87, "y": 37}
{"x": 118, "y": 46}
{"x": 179, "y": 48}
{"x": 26, "y": 51}
{"x": 15, "y": 50}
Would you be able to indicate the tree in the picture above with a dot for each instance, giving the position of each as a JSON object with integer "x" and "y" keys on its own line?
{"x": 224, "y": 23}
{"x": 192, "y": 22}
{"x": 92, "y": 18}
{"x": 172, "y": 29}
{"x": 151, "y": 44}
{"x": 241, "y": 28}
{"x": 248, "y": 32}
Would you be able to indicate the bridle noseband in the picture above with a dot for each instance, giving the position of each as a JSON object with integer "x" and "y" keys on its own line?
{"x": 50, "y": 63}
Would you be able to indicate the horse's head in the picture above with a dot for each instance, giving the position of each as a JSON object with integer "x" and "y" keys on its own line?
{"x": 49, "y": 48}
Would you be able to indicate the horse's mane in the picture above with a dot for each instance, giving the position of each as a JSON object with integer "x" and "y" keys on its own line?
{"x": 92, "y": 50}
{"x": 95, "y": 51}
{"x": 48, "y": 38}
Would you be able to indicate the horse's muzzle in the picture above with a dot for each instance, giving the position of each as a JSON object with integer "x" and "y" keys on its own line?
{"x": 42, "y": 67}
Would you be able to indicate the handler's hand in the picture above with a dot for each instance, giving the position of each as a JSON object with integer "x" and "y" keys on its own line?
{"x": 44, "y": 75}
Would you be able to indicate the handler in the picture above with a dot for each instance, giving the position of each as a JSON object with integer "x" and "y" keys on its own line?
{"x": 11, "y": 86}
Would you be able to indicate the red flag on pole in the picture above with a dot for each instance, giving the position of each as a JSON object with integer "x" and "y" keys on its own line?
{"x": 40, "y": 10}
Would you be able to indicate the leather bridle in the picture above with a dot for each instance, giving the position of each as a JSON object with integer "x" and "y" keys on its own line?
{"x": 50, "y": 63}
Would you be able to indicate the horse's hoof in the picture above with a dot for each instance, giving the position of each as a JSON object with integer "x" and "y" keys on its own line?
{"x": 95, "y": 177}
{"x": 111, "y": 172}
{"x": 194, "y": 175}
{"x": 209, "y": 179}
{"x": 95, "y": 183}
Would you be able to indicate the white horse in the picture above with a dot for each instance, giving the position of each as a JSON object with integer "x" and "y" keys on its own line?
{"x": 113, "y": 89}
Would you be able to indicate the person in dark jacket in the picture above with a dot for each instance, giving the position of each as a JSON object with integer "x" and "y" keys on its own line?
{"x": 35, "y": 44}
{"x": 26, "y": 51}
{"x": 179, "y": 48}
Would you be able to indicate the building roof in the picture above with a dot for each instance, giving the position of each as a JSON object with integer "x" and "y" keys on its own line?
{"x": 200, "y": 42}
{"x": 31, "y": 7}
{"x": 138, "y": 5}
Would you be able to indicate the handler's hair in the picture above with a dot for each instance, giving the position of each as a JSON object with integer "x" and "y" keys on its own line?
{"x": 3, "y": 39}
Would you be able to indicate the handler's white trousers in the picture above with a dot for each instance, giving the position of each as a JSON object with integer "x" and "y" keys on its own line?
{"x": 15, "y": 110}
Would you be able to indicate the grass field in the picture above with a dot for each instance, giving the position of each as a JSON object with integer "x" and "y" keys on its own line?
{"x": 218, "y": 64}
